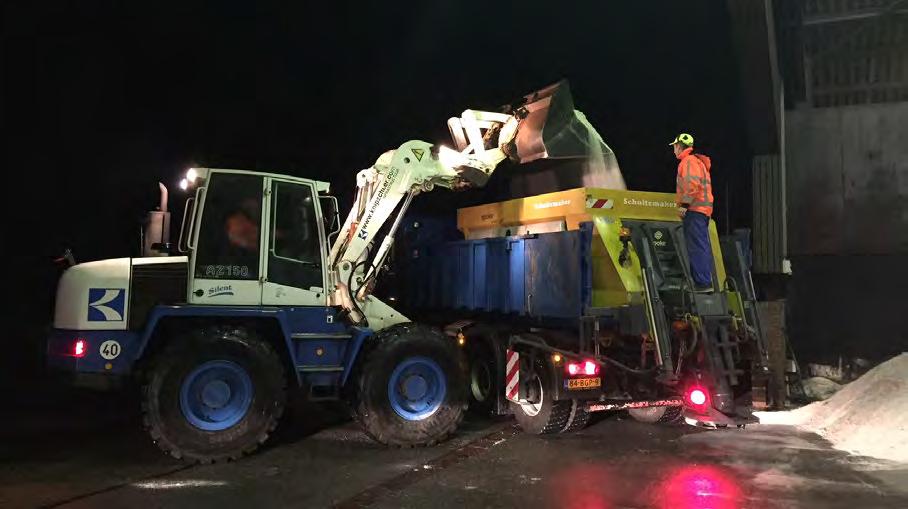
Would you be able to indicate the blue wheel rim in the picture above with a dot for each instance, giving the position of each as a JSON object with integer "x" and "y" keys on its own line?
{"x": 416, "y": 388}
{"x": 216, "y": 395}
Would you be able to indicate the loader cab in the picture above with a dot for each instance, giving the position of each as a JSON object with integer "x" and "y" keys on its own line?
{"x": 256, "y": 239}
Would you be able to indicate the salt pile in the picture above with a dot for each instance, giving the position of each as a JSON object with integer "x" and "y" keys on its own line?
{"x": 819, "y": 388}
{"x": 869, "y": 416}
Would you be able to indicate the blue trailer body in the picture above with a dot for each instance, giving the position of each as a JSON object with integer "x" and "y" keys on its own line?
{"x": 546, "y": 275}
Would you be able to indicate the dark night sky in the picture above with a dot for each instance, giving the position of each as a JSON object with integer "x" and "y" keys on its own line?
{"x": 102, "y": 99}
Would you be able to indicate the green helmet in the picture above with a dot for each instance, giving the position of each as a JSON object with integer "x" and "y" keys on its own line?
{"x": 684, "y": 139}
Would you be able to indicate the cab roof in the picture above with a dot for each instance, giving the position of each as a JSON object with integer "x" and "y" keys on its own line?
{"x": 321, "y": 187}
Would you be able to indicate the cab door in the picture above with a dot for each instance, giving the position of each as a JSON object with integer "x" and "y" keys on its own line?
{"x": 226, "y": 264}
{"x": 295, "y": 254}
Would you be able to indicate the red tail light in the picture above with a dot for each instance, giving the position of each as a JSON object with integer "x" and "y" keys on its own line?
{"x": 79, "y": 348}
{"x": 588, "y": 368}
{"x": 697, "y": 397}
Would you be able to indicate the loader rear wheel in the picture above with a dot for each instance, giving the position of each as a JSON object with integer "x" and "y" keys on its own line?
{"x": 542, "y": 415}
{"x": 411, "y": 387}
{"x": 657, "y": 414}
{"x": 214, "y": 395}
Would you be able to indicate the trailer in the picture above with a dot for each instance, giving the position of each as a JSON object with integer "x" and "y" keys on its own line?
{"x": 579, "y": 301}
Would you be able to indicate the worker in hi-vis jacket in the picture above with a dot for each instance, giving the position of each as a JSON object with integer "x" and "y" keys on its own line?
{"x": 694, "y": 198}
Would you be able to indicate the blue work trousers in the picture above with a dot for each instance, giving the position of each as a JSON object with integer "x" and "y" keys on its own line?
{"x": 696, "y": 234}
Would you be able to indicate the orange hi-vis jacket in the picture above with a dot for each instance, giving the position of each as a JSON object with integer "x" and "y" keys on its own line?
{"x": 694, "y": 189}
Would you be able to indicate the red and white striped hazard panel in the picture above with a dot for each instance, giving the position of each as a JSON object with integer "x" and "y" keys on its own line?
{"x": 512, "y": 376}
{"x": 597, "y": 203}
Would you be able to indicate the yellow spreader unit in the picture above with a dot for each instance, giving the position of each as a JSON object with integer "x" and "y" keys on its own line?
{"x": 614, "y": 284}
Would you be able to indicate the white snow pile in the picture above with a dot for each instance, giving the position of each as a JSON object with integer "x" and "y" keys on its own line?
{"x": 869, "y": 416}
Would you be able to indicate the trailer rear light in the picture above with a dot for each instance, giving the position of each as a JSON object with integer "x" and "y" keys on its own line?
{"x": 79, "y": 348}
{"x": 588, "y": 368}
{"x": 697, "y": 397}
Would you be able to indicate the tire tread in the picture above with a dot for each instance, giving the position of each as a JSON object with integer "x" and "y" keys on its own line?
{"x": 373, "y": 359}
{"x": 152, "y": 425}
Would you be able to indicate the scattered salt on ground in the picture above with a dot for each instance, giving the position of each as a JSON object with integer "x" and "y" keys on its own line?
{"x": 869, "y": 416}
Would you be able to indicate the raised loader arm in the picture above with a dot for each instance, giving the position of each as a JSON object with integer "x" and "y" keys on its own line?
{"x": 541, "y": 125}
{"x": 399, "y": 175}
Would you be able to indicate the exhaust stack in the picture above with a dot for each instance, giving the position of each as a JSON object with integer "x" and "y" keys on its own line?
{"x": 156, "y": 238}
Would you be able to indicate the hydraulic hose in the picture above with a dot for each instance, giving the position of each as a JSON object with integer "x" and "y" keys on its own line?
{"x": 352, "y": 293}
{"x": 693, "y": 346}
{"x": 629, "y": 369}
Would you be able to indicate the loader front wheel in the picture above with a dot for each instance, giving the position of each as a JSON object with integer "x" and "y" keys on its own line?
{"x": 411, "y": 388}
{"x": 541, "y": 415}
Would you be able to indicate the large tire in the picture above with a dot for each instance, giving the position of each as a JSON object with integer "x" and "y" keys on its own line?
{"x": 657, "y": 414}
{"x": 579, "y": 417}
{"x": 545, "y": 416}
{"x": 481, "y": 378}
{"x": 410, "y": 390}
{"x": 214, "y": 395}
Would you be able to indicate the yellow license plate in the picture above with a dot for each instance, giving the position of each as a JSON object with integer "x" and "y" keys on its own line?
{"x": 583, "y": 383}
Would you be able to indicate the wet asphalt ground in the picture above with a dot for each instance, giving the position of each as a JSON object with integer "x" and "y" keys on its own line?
{"x": 99, "y": 457}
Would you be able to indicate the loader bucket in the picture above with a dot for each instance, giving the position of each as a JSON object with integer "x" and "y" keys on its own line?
{"x": 551, "y": 129}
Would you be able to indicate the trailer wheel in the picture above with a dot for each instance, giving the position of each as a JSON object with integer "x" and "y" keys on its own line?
{"x": 411, "y": 388}
{"x": 657, "y": 414}
{"x": 482, "y": 380}
{"x": 543, "y": 416}
{"x": 214, "y": 395}
{"x": 579, "y": 417}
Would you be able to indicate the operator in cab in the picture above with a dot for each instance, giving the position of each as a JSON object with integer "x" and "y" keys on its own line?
{"x": 694, "y": 198}
{"x": 242, "y": 226}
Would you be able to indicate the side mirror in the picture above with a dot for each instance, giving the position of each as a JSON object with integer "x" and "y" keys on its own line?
{"x": 330, "y": 214}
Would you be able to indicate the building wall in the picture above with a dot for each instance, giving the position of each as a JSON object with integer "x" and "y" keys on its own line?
{"x": 839, "y": 195}
{"x": 847, "y": 182}
{"x": 836, "y": 53}
{"x": 853, "y": 306}
{"x": 769, "y": 226}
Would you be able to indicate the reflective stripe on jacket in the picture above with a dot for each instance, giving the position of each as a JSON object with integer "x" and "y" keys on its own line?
{"x": 694, "y": 187}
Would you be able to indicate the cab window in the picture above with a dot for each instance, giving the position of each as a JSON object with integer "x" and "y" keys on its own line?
{"x": 295, "y": 254}
{"x": 228, "y": 242}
